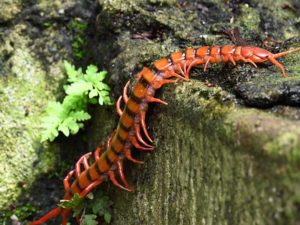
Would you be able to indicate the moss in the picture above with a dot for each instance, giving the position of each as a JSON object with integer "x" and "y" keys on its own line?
{"x": 291, "y": 61}
{"x": 277, "y": 138}
{"x": 57, "y": 7}
{"x": 280, "y": 11}
{"x": 172, "y": 17}
{"x": 23, "y": 95}
{"x": 248, "y": 19}
{"x": 26, "y": 86}
{"x": 167, "y": 2}
{"x": 287, "y": 144}
{"x": 79, "y": 42}
{"x": 21, "y": 213}
{"x": 9, "y": 9}
{"x": 136, "y": 53}
{"x": 122, "y": 6}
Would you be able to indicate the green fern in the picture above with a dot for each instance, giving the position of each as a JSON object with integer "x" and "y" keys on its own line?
{"x": 89, "y": 219}
{"x": 75, "y": 202}
{"x": 90, "y": 208}
{"x": 83, "y": 88}
{"x": 101, "y": 206}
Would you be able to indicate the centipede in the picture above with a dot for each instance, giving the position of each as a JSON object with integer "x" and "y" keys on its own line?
{"x": 105, "y": 163}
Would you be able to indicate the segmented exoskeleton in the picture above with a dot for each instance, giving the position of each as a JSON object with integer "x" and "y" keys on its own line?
{"x": 86, "y": 177}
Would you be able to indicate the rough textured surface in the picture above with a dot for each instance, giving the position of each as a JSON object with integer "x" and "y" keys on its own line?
{"x": 9, "y": 9}
{"x": 214, "y": 164}
{"x": 216, "y": 161}
{"x": 24, "y": 93}
{"x": 31, "y": 74}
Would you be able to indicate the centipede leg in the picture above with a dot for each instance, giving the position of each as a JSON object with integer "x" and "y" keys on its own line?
{"x": 121, "y": 173}
{"x": 138, "y": 146}
{"x": 179, "y": 68}
{"x": 157, "y": 100}
{"x": 138, "y": 135}
{"x": 90, "y": 187}
{"x": 207, "y": 62}
{"x": 231, "y": 59}
{"x": 171, "y": 73}
{"x": 64, "y": 220}
{"x": 115, "y": 182}
{"x": 118, "y": 106}
{"x": 64, "y": 216}
{"x": 82, "y": 161}
{"x": 67, "y": 178}
{"x": 78, "y": 219}
{"x": 97, "y": 152}
{"x": 53, "y": 213}
{"x": 128, "y": 156}
{"x": 193, "y": 63}
{"x": 125, "y": 90}
{"x": 143, "y": 124}
{"x": 160, "y": 83}
{"x": 186, "y": 74}
{"x": 110, "y": 139}
{"x": 248, "y": 60}
{"x": 280, "y": 66}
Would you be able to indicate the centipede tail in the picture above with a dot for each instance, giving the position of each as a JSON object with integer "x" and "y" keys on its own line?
{"x": 132, "y": 128}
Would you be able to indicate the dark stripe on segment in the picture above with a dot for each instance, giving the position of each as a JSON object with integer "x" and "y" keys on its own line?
{"x": 136, "y": 99}
{"x": 88, "y": 176}
{"x": 70, "y": 192}
{"x": 123, "y": 127}
{"x": 108, "y": 161}
{"x": 121, "y": 139}
{"x": 98, "y": 169}
{"x": 115, "y": 151}
{"x": 78, "y": 185}
{"x": 129, "y": 112}
{"x": 144, "y": 82}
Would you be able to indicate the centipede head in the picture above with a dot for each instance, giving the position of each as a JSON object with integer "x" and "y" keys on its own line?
{"x": 255, "y": 54}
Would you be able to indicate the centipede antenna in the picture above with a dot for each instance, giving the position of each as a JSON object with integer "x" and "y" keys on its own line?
{"x": 277, "y": 55}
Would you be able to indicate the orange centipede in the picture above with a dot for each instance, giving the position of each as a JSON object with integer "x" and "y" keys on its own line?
{"x": 132, "y": 127}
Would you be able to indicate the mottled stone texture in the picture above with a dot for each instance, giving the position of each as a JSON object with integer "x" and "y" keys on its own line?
{"x": 31, "y": 75}
{"x": 213, "y": 164}
{"x": 23, "y": 96}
